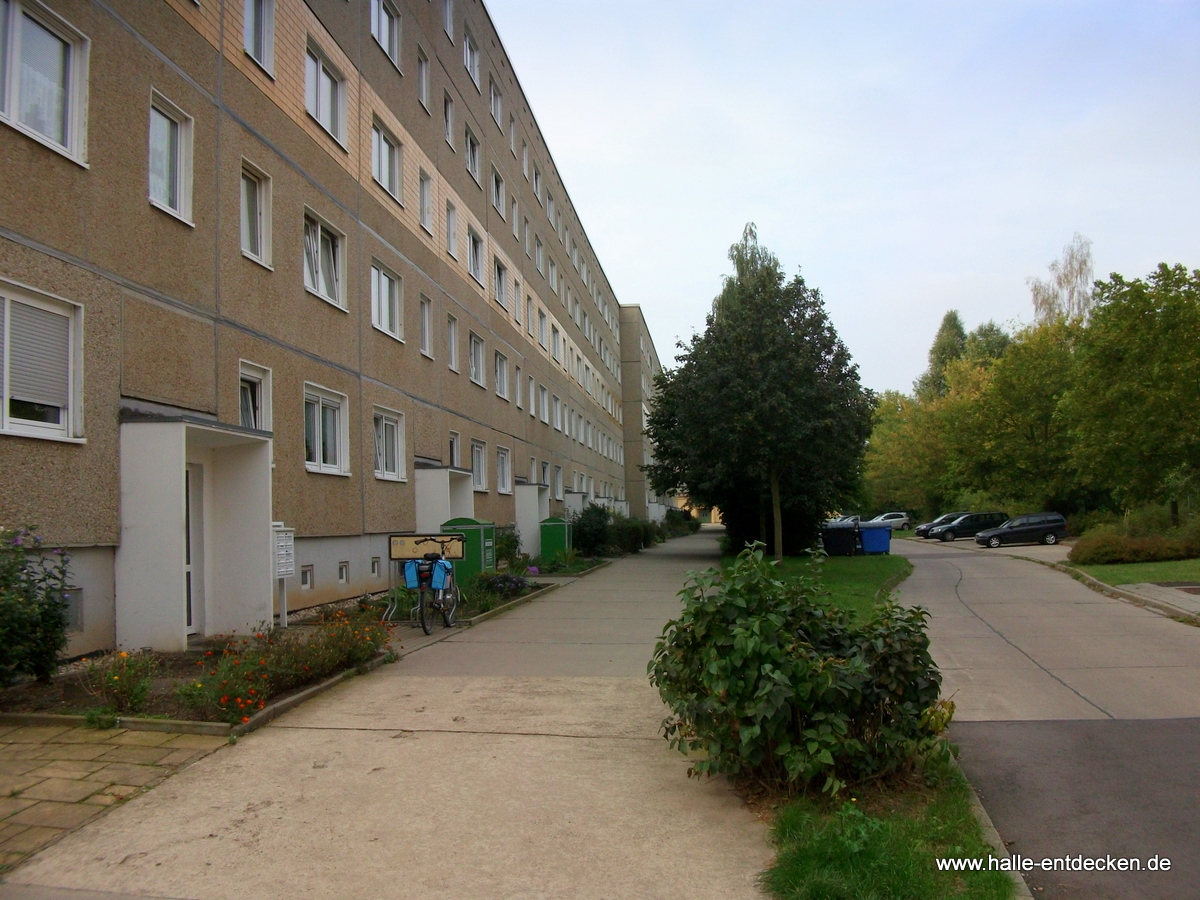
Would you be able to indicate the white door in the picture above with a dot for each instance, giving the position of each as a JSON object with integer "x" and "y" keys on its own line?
{"x": 194, "y": 546}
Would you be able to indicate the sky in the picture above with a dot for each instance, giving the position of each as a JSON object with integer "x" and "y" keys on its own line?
{"x": 905, "y": 158}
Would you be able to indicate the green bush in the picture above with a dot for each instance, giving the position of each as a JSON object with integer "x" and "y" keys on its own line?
{"x": 33, "y": 609}
{"x": 773, "y": 686}
{"x": 1105, "y": 546}
{"x": 121, "y": 681}
{"x": 591, "y": 530}
{"x": 678, "y": 522}
{"x": 508, "y": 544}
{"x": 625, "y": 535}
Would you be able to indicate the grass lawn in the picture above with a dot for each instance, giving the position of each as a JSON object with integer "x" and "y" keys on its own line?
{"x": 852, "y": 581}
{"x": 1134, "y": 573}
{"x": 882, "y": 843}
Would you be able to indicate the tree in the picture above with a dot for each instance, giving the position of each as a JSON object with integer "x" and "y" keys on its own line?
{"x": 1135, "y": 406}
{"x": 764, "y": 416}
{"x": 948, "y": 345}
{"x": 1068, "y": 292}
{"x": 986, "y": 343}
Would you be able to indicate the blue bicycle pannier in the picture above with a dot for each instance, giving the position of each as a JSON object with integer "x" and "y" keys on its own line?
{"x": 410, "y": 574}
{"x": 441, "y": 574}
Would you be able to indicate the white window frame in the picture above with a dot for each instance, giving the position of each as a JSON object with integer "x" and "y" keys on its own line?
{"x": 266, "y": 9}
{"x": 556, "y": 412}
{"x": 544, "y": 404}
{"x": 339, "y": 256}
{"x": 75, "y": 93}
{"x": 344, "y": 572}
{"x": 183, "y": 159}
{"x": 448, "y": 18}
{"x": 474, "y": 254}
{"x": 422, "y": 78}
{"x": 553, "y": 276}
{"x": 479, "y": 466}
{"x": 473, "y": 155}
{"x": 448, "y": 118}
{"x": 542, "y": 328}
{"x": 475, "y": 354}
{"x": 498, "y": 191}
{"x": 525, "y": 159}
{"x": 519, "y": 388}
{"x": 500, "y": 281}
{"x": 385, "y": 28}
{"x": 452, "y": 342}
{"x": 70, "y": 426}
{"x": 503, "y": 471}
{"x": 501, "y": 375}
{"x": 306, "y": 578}
{"x": 558, "y": 483}
{"x": 425, "y": 200}
{"x": 495, "y": 103}
{"x": 382, "y": 418}
{"x": 333, "y": 119}
{"x": 539, "y": 254}
{"x": 532, "y": 397}
{"x": 514, "y": 209}
{"x": 471, "y": 56}
{"x": 529, "y": 315}
{"x": 537, "y": 182}
{"x": 452, "y": 229}
{"x": 425, "y": 311}
{"x": 388, "y": 174}
{"x": 512, "y": 134}
{"x": 455, "y": 449}
{"x": 260, "y": 376}
{"x": 324, "y": 398}
{"x": 382, "y": 276}
{"x": 263, "y": 187}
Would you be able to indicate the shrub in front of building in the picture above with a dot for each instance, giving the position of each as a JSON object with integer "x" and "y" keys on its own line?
{"x": 33, "y": 609}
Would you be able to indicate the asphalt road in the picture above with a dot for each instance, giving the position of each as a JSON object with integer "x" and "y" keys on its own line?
{"x": 1078, "y": 718}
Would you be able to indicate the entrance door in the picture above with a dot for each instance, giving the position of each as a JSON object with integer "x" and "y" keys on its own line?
{"x": 193, "y": 505}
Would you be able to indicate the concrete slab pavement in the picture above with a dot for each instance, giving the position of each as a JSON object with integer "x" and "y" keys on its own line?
{"x": 518, "y": 759}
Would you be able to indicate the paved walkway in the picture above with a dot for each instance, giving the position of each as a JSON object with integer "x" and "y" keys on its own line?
{"x": 521, "y": 758}
{"x": 1078, "y": 716}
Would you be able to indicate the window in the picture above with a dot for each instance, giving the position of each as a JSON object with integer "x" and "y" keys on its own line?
{"x": 478, "y": 466}
{"x": 344, "y": 572}
{"x": 472, "y": 146}
{"x": 323, "y": 93}
{"x": 516, "y": 295}
{"x": 550, "y": 207}
{"x": 385, "y": 160}
{"x": 325, "y": 435}
{"x": 385, "y": 28}
{"x": 495, "y": 102}
{"x": 306, "y": 578}
{"x": 426, "y": 201}
{"x": 543, "y": 404}
{"x": 471, "y": 57}
{"x": 554, "y": 342}
{"x": 545, "y": 479}
{"x": 475, "y": 255}
{"x": 553, "y": 276}
{"x": 532, "y": 398}
{"x": 43, "y": 77}
{"x": 322, "y": 260}
{"x": 498, "y": 192}
{"x": 475, "y": 360}
{"x": 516, "y": 224}
{"x": 40, "y": 344}
{"x": 258, "y": 32}
{"x": 448, "y": 115}
{"x": 170, "y": 158}
{"x": 423, "y": 78}
{"x": 256, "y": 214}
{"x": 518, "y": 385}
{"x": 376, "y": 566}
{"x": 448, "y": 17}
{"x": 558, "y": 483}
{"x": 539, "y": 254}
{"x": 451, "y": 229}
{"x": 503, "y": 472}
{"x": 529, "y": 316}
{"x": 537, "y": 182}
{"x": 455, "y": 459}
{"x": 426, "y": 309}
{"x": 452, "y": 342}
{"x": 501, "y": 375}
{"x": 525, "y": 160}
{"x": 389, "y": 445}
{"x": 500, "y": 283}
{"x": 556, "y": 412}
{"x": 525, "y": 232}
{"x": 512, "y": 134}
{"x": 254, "y": 396}
{"x": 542, "y": 327}
{"x": 386, "y": 302}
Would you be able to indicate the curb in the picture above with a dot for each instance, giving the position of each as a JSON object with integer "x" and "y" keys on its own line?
{"x": 894, "y": 582}
{"x": 505, "y": 607}
{"x": 992, "y": 836}
{"x": 129, "y": 723}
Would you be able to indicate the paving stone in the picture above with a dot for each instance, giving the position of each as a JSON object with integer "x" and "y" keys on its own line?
{"x": 141, "y": 738}
{"x": 30, "y": 839}
{"x": 88, "y": 735}
{"x": 7, "y": 830}
{"x": 116, "y": 791}
{"x": 10, "y": 805}
{"x": 67, "y": 790}
{"x": 64, "y": 768}
{"x": 17, "y": 766}
{"x": 21, "y": 751}
{"x": 34, "y": 734}
{"x": 5, "y": 729}
{"x": 128, "y": 773}
{"x": 102, "y": 799}
{"x": 13, "y": 784}
{"x": 51, "y": 814}
{"x": 180, "y": 757}
{"x": 11, "y": 859}
{"x": 141, "y": 755}
{"x": 198, "y": 741}
{"x": 72, "y": 751}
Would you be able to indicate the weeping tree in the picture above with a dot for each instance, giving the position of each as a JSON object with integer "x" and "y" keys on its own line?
{"x": 764, "y": 417}
{"x": 1067, "y": 293}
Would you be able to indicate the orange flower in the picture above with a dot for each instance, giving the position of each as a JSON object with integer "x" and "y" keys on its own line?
{"x": 225, "y": 699}
{"x": 123, "y": 654}
{"x": 245, "y": 719}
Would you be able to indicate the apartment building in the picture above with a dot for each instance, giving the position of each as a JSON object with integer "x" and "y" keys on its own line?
{"x": 306, "y": 262}
{"x": 639, "y": 365}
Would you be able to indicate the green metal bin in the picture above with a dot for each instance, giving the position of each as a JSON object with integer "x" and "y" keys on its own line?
{"x": 479, "y": 554}
{"x": 557, "y": 537}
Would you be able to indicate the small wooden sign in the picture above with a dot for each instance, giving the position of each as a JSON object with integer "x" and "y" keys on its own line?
{"x": 415, "y": 546}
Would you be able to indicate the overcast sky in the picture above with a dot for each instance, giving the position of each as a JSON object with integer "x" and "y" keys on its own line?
{"x": 908, "y": 158}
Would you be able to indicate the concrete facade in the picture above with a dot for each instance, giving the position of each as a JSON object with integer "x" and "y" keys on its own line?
{"x": 639, "y": 365}
{"x": 179, "y": 295}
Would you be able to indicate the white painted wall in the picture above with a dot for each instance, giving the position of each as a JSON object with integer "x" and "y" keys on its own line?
{"x": 532, "y": 506}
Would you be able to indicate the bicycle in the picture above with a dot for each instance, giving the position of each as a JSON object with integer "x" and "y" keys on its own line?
{"x": 431, "y": 600}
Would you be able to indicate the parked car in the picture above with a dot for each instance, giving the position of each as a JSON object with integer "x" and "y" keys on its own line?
{"x": 1037, "y": 528}
{"x": 922, "y": 531}
{"x": 968, "y": 526}
{"x": 898, "y": 520}
{"x": 842, "y": 522}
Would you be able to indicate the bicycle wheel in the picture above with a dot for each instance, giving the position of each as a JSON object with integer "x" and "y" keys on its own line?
{"x": 425, "y": 610}
{"x": 450, "y": 599}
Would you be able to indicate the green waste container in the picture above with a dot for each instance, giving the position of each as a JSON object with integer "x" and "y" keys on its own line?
{"x": 557, "y": 537}
{"x": 479, "y": 552}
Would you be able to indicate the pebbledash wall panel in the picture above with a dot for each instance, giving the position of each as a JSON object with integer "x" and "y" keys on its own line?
{"x": 224, "y": 283}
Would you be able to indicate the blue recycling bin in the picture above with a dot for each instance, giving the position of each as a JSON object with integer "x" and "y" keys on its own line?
{"x": 875, "y": 538}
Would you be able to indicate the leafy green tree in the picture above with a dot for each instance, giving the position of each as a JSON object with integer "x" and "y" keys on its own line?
{"x": 764, "y": 417}
{"x": 1135, "y": 405}
{"x": 948, "y": 345}
{"x": 986, "y": 343}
